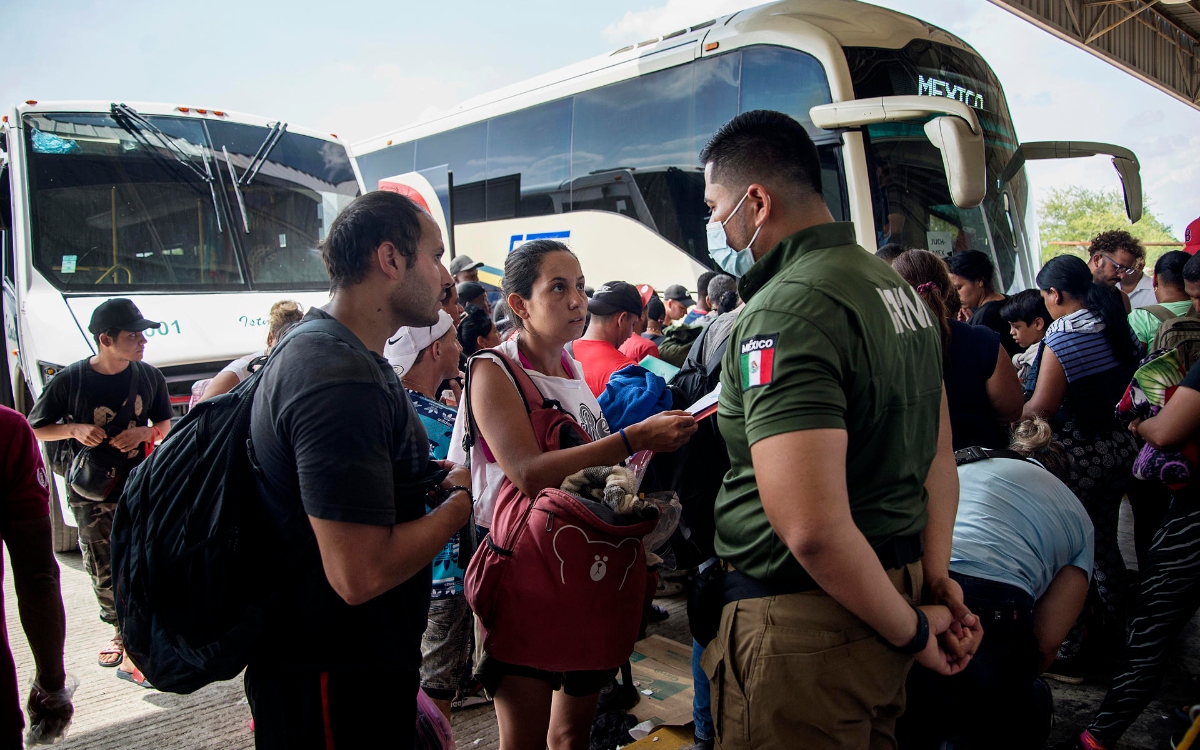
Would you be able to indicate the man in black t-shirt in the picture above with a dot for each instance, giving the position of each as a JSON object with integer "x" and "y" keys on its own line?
{"x": 345, "y": 475}
{"x": 80, "y": 404}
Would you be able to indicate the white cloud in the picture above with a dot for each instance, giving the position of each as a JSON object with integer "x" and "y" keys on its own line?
{"x": 386, "y": 100}
{"x": 639, "y": 25}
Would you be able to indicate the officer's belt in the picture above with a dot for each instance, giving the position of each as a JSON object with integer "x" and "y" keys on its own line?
{"x": 893, "y": 554}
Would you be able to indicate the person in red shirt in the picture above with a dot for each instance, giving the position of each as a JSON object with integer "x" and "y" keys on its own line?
{"x": 25, "y": 529}
{"x": 637, "y": 347}
{"x": 615, "y": 308}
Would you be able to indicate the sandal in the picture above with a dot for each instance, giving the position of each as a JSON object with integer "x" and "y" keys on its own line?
{"x": 668, "y": 589}
{"x": 115, "y": 646}
{"x": 136, "y": 677}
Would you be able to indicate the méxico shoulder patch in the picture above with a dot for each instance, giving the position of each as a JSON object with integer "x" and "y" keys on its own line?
{"x": 757, "y": 355}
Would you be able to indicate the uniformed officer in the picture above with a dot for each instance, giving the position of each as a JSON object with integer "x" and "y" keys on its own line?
{"x": 842, "y": 493}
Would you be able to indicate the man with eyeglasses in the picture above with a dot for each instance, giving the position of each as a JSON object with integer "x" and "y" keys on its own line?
{"x": 1117, "y": 259}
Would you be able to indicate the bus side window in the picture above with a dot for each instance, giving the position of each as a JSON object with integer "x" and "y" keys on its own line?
{"x": 465, "y": 151}
{"x": 528, "y": 159}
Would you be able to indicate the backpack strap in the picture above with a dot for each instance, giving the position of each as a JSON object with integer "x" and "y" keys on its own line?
{"x": 123, "y": 416}
{"x": 530, "y": 395}
{"x": 697, "y": 349}
{"x": 75, "y": 386}
{"x": 976, "y": 453}
{"x": 1160, "y": 312}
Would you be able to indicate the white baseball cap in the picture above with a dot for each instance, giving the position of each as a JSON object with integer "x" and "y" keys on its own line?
{"x": 402, "y": 349}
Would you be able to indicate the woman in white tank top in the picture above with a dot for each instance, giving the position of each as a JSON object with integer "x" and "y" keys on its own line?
{"x": 543, "y": 284}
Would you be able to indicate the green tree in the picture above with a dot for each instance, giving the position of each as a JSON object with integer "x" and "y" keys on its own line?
{"x": 1076, "y": 214}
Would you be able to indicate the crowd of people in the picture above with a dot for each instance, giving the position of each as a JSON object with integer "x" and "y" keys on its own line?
{"x": 901, "y": 519}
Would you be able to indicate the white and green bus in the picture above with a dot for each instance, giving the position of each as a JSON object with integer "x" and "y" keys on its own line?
{"x": 202, "y": 217}
{"x": 916, "y": 143}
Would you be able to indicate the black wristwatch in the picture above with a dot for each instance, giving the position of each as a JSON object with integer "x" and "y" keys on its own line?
{"x": 920, "y": 640}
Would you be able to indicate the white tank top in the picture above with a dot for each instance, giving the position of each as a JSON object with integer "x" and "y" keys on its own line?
{"x": 572, "y": 394}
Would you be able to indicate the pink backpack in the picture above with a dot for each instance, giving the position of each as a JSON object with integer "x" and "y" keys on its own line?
{"x": 559, "y": 582}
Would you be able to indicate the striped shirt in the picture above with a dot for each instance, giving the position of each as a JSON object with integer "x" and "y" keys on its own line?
{"x": 1079, "y": 342}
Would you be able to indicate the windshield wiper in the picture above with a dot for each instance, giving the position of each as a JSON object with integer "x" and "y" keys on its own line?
{"x": 137, "y": 126}
{"x": 237, "y": 190}
{"x": 264, "y": 150}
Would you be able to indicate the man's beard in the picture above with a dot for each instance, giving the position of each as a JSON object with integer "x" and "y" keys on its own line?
{"x": 415, "y": 306}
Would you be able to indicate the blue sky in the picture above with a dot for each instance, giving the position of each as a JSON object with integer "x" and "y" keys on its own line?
{"x": 360, "y": 68}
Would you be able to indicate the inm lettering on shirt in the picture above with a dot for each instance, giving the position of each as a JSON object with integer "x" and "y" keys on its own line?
{"x": 907, "y": 313}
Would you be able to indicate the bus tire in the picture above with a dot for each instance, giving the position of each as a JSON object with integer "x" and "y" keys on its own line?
{"x": 65, "y": 538}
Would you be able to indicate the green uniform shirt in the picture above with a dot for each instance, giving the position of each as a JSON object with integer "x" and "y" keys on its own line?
{"x": 831, "y": 337}
{"x": 1146, "y": 324}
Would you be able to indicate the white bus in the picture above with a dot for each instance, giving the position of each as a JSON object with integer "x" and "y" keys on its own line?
{"x": 202, "y": 217}
{"x": 604, "y": 154}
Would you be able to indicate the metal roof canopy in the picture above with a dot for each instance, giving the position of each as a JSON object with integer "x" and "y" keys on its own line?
{"x": 1156, "y": 40}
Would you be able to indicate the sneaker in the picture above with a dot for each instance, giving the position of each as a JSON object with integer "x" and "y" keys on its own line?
{"x": 657, "y": 613}
{"x": 699, "y": 745}
{"x": 1066, "y": 671}
{"x": 471, "y": 696}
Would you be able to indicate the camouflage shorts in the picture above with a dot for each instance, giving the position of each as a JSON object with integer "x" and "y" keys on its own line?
{"x": 95, "y": 527}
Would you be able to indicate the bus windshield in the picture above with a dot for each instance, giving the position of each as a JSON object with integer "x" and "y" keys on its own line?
{"x": 121, "y": 202}
{"x": 911, "y": 199}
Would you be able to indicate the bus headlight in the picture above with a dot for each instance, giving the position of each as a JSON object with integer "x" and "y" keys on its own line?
{"x": 47, "y": 370}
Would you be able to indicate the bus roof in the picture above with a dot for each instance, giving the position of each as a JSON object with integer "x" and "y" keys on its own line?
{"x": 849, "y": 22}
{"x": 170, "y": 110}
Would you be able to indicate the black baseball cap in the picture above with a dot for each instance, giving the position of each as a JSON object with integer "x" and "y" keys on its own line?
{"x": 463, "y": 263}
{"x": 121, "y": 314}
{"x": 679, "y": 294}
{"x": 614, "y": 297}
{"x": 470, "y": 290}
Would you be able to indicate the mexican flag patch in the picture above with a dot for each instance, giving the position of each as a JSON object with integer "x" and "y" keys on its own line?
{"x": 758, "y": 360}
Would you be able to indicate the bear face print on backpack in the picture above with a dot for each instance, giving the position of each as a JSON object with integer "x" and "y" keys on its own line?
{"x": 559, "y": 581}
{"x": 195, "y": 568}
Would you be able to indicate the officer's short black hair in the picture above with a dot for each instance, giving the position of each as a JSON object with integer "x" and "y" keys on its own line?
{"x": 1026, "y": 306}
{"x": 369, "y": 221}
{"x": 768, "y": 147}
{"x": 1168, "y": 269}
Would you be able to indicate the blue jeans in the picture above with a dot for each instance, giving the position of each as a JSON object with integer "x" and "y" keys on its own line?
{"x": 701, "y": 699}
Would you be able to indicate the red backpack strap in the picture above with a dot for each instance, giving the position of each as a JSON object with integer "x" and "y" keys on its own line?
{"x": 530, "y": 395}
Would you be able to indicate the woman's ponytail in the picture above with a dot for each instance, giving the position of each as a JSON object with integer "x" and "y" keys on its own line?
{"x": 1105, "y": 302}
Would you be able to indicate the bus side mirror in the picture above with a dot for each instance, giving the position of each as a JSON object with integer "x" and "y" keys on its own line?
{"x": 954, "y": 130}
{"x": 962, "y": 158}
{"x": 1125, "y": 161}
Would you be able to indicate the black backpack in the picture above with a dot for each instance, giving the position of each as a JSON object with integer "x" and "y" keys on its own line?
{"x": 695, "y": 380}
{"x": 696, "y": 470}
{"x": 196, "y": 566}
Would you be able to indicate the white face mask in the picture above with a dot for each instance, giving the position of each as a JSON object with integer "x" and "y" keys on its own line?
{"x": 733, "y": 262}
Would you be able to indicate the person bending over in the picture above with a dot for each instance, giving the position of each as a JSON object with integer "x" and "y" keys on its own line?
{"x": 1022, "y": 553}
